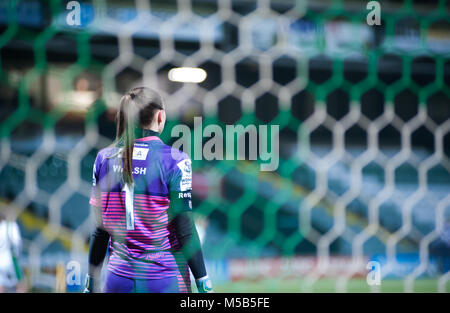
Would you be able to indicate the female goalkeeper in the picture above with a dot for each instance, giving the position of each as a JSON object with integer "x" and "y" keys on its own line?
{"x": 141, "y": 200}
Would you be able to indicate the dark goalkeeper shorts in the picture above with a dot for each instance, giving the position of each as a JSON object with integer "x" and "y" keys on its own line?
{"x": 120, "y": 284}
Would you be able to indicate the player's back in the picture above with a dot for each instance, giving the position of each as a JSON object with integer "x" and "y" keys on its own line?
{"x": 147, "y": 236}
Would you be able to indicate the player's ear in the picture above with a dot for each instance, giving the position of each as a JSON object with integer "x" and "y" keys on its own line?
{"x": 161, "y": 119}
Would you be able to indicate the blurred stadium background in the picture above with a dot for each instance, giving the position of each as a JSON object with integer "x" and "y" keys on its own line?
{"x": 364, "y": 115}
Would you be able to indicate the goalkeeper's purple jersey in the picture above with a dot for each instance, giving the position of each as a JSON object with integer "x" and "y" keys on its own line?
{"x": 148, "y": 249}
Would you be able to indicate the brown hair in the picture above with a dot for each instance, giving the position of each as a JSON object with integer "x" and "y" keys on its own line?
{"x": 137, "y": 109}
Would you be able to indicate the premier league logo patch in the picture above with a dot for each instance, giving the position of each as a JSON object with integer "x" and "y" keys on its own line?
{"x": 187, "y": 167}
{"x": 186, "y": 174}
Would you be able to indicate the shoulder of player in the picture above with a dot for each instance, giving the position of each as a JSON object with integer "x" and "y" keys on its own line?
{"x": 106, "y": 153}
{"x": 173, "y": 159}
{"x": 174, "y": 154}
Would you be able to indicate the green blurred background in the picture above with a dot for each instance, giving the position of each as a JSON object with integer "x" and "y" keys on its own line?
{"x": 364, "y": 142}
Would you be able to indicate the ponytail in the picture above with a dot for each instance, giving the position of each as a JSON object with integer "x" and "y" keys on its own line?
{"x": 137, "y": 108}
{"x": 129, "y": 138}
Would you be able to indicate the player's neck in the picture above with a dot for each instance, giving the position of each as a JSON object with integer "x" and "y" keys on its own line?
{"x": 146, "y": 133}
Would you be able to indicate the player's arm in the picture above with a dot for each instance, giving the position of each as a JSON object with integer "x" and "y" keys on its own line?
{"x": 98, "y": 246}
{"x": 183, "y": 222}
{"x": 99, "y": 238}
{"x": 191, "y": 247}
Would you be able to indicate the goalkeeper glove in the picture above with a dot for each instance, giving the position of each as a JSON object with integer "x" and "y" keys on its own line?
{"x": 204, "y": 285}
{"x": 89, "y": 285}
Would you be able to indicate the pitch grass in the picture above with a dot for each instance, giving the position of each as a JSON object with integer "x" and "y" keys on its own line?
{"x": 324, "y": 286}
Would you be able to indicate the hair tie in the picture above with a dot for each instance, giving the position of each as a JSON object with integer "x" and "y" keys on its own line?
{"x": 132, "y": 96}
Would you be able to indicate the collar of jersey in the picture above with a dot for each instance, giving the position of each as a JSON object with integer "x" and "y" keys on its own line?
{"x": 148, "y": 135}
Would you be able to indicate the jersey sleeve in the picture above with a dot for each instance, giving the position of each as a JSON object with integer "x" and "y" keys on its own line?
{"x": 95, "y": 199}
{"x": 180, "y": 186}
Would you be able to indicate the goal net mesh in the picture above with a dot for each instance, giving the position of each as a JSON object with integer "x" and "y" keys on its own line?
{"x": 363, "y": 113}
